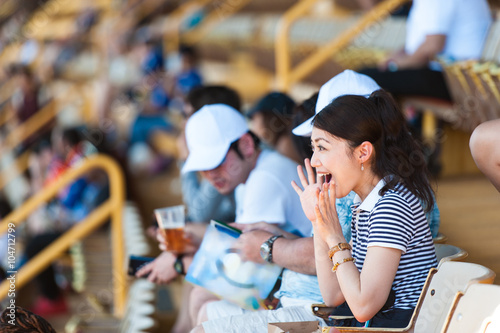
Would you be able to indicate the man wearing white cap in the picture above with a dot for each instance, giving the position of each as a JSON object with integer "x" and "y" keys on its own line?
{"x": 227, "y": 154}
{"x": 299, "y": 286}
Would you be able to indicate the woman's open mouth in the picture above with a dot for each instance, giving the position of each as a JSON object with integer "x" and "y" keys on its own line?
{"x": 328, "y": 177}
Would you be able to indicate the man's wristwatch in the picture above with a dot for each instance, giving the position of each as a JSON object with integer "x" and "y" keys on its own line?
{"x": 266, "y": 249}
{"x": 179, "y": 266}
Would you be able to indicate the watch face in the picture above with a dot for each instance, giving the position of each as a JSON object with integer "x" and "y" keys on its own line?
{"x": 178, "y": 267}
{"x": 264, "y": 251}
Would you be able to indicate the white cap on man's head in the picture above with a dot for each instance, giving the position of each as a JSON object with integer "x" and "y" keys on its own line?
{"x": 346, "y": 83}
{"x": 209, "y": 134}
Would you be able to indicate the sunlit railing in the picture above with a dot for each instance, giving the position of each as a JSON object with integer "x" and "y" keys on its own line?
{"x": 37, "y": 122}
{"x": 34, "y": 123}
{"x": 223, "y": 10}
{"x": 112, "y": 208}
{"x": 285, "y": 75}
{"x": 175, "y": 20}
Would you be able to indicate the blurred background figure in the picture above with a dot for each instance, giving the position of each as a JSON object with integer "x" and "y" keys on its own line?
{"x": 271, "y": 119}
{"x": 442, "y": 30}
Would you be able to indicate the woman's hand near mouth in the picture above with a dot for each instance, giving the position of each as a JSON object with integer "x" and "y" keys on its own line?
{"x": 312, "y": 187}
{"x": 327, "y": 224}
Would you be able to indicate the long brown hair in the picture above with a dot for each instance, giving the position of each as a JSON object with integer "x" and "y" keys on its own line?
{"x": 378, "y": 120}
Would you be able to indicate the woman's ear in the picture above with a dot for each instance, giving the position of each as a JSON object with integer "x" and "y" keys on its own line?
{"x": 246, "y": 145}
{"x": 364, "y": 152}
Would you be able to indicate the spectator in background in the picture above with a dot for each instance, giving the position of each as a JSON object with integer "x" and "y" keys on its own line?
{"x": 484, "y": 146}
{"x": 152, "y": 99}
{"x": 453, "y": 30}
{"x": 67, "y": 151}
{"x": 183, "y": 79}
{"x": 71, "y": 206}
{"x": 202, "y": 200}
{"x": 142, "y": 156}
{"x": 271, "y": 119}
{"x": 189, "y": 76}
{"x": 25, "y": 99}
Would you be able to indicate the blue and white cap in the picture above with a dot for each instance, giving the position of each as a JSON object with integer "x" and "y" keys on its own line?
{"x": 346, "y": 83}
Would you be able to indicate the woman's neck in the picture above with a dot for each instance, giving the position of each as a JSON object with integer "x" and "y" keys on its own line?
{"x": 367, "y": 183}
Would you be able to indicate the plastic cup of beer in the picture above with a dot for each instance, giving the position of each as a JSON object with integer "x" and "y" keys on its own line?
{"x": 171, "y": 222}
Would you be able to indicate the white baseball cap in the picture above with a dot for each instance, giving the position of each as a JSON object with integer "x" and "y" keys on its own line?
{"x": 209, "y": 134}
{"x": 346, "y": 83}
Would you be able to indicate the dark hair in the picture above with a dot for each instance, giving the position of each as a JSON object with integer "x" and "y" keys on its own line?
{"x": 378, "y": 120}
{"x": 206, "y": 95}
{"x": 25, "y": 322}
{"x": 72, "y": 135}
{"x": 5, "y": 208}
{"x": 303, "y": 112}
{"x": 188, "y": 52}
{"x": 41, "y": 146}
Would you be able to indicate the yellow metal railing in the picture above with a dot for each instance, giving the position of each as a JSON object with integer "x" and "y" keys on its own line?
{"x": 112, "y": 208}
{"x": 224, "y": 9}
{"x": 6, "y": 114}
{"x": 285, "y": 75}
{"x": 36, "y": 122}
{"x": 20, "y": 133}
{"x": 175, "y": 20}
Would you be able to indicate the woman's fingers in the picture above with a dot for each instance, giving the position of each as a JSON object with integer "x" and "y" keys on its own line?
{"x": 297, "y": 188}
{"x": 323, "y": 200}
{"x": 310, "y": 171}
{"x": 319, "y": 216}
{"x": 333, "y": 193}
{"x": 302, "y": 177}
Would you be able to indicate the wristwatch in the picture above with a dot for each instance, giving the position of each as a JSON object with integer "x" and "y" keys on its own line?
{"x": 179, "y": 266}
{"x": 266, "y": 249}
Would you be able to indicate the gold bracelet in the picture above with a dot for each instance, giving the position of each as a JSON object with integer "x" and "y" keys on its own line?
{"x": 337, "y": 264}
{"x": 337, "y": 248}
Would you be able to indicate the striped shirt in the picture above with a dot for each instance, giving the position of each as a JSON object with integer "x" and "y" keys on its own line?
{"x": 395, "y": 220}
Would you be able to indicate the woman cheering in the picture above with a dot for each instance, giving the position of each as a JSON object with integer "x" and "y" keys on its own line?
{"x": 363, "y": 145}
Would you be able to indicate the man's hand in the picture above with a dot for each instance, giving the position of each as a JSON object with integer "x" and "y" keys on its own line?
{"x": 161, "y": 270}
{"x": 249, "y": 244}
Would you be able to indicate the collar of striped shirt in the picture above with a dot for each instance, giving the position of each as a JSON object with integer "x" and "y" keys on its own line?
{"x": 371, "y": 199}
